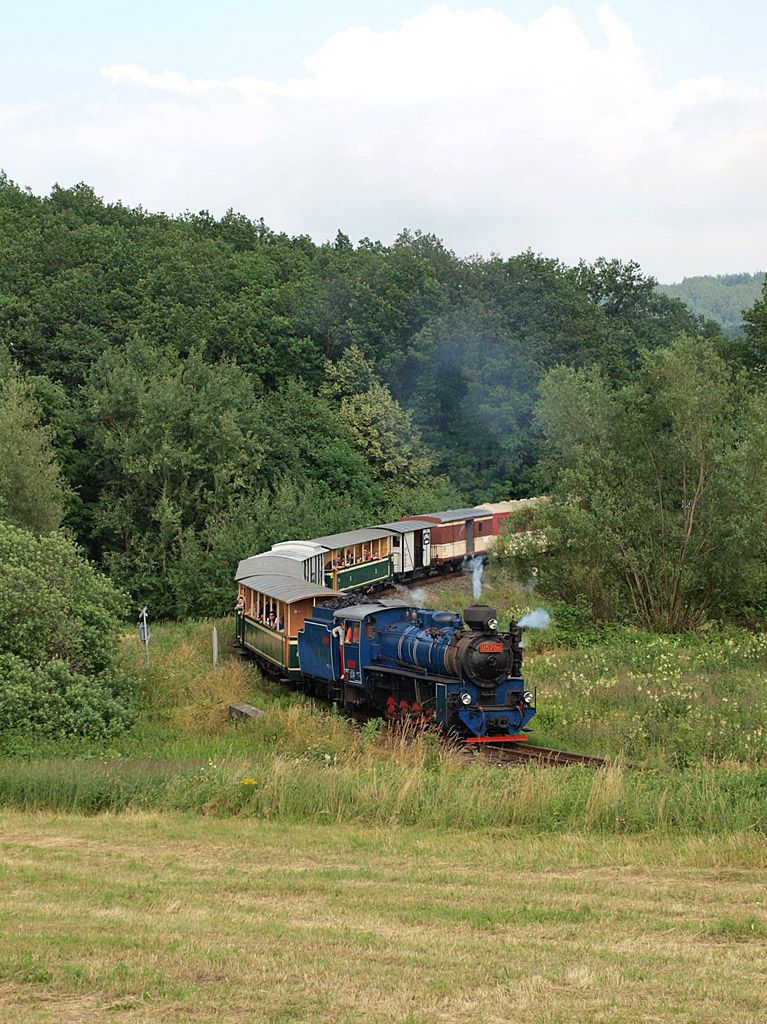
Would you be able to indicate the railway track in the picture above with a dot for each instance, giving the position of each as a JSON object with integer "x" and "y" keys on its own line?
{"x": 517, "y": 752}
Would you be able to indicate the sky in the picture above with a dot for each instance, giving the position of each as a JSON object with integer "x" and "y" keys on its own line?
{"x": 635, "y": 130}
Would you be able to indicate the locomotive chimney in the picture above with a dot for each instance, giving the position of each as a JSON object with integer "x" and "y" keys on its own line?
{"x": 481, "y": 617}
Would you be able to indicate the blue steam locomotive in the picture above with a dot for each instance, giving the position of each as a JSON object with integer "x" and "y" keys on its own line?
{"x": 400, "y": 662}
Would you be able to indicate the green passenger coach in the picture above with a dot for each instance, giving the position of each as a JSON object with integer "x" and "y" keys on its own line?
{"x": 359, "y": 559}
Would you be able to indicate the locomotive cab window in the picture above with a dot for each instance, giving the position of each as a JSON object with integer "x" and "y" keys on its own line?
{"x": 352, "y": 633}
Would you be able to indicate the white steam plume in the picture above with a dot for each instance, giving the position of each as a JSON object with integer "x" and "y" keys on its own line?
{"x": 476, "y": 567}
{"x": 539, "y": 618}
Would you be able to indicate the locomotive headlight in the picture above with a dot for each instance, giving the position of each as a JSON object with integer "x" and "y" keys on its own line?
{"x": 465, "y": 698}
{"x": 492, "y": 623}
{"x": 529, "y": 696}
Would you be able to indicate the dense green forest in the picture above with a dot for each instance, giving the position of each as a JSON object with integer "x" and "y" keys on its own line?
{"x": 179, "y": 392}
{"x": 723, "y": 298}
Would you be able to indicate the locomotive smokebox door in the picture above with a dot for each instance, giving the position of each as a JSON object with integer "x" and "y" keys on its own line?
{"x": 481, "y": 617}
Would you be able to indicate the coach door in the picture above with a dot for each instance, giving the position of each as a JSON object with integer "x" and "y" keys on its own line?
{"x": 469, "y": 536}
{"x": 407, "y": 552}
{"x": 418, "y": 549}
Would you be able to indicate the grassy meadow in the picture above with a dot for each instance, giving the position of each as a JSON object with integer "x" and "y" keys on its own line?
{"x": 689, "y": 712}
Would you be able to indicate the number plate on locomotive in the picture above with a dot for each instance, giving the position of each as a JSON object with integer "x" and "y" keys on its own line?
{"x": 491, "y": 648}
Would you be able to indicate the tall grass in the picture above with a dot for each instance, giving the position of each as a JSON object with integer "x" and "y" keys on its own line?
{"x": 306, "y": 765}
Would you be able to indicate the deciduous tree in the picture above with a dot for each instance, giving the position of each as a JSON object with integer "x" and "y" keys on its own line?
{"x": 658, "y": 491}
{"x": 32, "y": 491}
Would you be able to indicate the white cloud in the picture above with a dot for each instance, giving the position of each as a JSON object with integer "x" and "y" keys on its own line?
{"x": 13, "y": 112}
{"x": 493, "y": 134}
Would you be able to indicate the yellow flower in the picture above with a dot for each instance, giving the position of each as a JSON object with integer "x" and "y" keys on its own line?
{"x": 247, "y": 782}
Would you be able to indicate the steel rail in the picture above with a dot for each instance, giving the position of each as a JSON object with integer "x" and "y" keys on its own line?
{"x": 543, "y": 755}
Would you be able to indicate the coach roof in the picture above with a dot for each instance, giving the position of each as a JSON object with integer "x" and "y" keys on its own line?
{"x": 269, "y": 565}
{"x": 403, "y": 526}
{"x": 286, "y": 588}
{"x": 345, "y": 540}
{"x": 453, "y": 515}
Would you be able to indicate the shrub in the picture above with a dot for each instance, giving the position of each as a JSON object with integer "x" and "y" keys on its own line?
{"x": 53, "y": 701}
{"x": 59, "y": 625}
{"x": 53, "y": 604}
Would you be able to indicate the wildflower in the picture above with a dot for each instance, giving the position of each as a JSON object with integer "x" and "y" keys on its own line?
{"x": 247, "y": 782}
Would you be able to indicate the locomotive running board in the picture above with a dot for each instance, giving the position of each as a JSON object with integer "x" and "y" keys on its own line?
{"x": 497, "y": 739}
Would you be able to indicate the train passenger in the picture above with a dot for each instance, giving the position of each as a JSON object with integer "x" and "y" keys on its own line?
{"x": 239, "y": 605}
{"x": 350, "y": 558}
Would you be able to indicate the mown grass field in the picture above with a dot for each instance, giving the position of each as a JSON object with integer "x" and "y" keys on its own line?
{"x": 153, "y": 917}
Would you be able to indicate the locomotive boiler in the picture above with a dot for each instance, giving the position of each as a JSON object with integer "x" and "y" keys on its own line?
{"x": 404, "y": 662}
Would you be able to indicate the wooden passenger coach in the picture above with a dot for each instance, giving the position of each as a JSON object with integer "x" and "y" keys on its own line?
{"x": 521, "y": 510}
{"x": 274, "y": 610}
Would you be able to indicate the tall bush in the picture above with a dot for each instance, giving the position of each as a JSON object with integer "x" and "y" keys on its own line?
{"x": 59, "y": 627}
